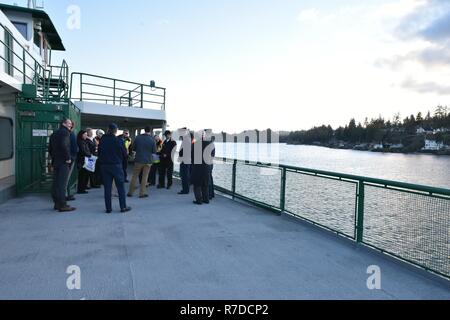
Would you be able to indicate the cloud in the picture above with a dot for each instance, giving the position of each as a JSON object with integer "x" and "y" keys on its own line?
{"x": 426, "y": 87}
{"x": 435, "y": 56}
{"x": 398, "y": 9}
{"x": 308, "y": 15}
{"x": 429, "y": 21}
{"x": 426, "y": 25}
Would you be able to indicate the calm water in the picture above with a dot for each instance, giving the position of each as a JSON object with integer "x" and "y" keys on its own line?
{"x": 413, "y": 168}
{"x": 415, "y": 227}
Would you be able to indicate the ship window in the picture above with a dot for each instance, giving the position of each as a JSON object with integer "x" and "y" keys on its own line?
{"x": 22, "y": 27}
{"x": 7, "y": 145}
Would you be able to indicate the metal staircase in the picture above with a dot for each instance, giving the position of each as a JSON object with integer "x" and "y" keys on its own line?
{"x": 53, "y": 84}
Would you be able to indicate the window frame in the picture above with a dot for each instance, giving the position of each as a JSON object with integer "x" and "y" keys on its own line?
{"x": 27, "y": 35}
{"x": 12, "y": 138}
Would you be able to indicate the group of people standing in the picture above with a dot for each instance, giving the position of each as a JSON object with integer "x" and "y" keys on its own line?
{"x": 152, "y": 155}
{"x": 196, "y": 158}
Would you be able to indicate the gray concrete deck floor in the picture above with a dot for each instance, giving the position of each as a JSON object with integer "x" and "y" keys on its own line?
{"x": 168, "y": 248}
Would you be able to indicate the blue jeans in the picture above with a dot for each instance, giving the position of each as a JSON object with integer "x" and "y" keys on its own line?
{"x": 110, "y": 172}
{"x": 185, "y": 173}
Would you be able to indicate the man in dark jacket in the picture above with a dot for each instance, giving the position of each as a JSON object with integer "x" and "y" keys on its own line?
{"x": 128, "y": 144}
{"x": 184, "y": 157}
{"x": 166, "y": 166}
{"x": 145, "y": 148}
{"x": 59, "y": 150}
{"x": 112, "y": 153}
{"x": 201, "y": 159}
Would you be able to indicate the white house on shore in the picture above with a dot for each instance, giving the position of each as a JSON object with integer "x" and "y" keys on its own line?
{"x": 433, "y": 145}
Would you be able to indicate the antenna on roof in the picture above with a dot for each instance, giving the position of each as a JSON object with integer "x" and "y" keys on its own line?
{"x": 33, "y": 5}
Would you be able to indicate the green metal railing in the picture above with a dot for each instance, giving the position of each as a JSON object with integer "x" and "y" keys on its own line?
{"x": 18, "y": 62}
{"x": 94, "y": 88}
{"x": 51, "y": 83}
{"x": 408, "y": 221}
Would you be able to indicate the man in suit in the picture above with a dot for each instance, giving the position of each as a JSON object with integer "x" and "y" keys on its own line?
{"x": 60, "y": 152}
{"x": 145, "y": 148}
{"x": 112, "y": 153}
{"x": 184, "y": 158}
{"x": 201, "y": 159}
{"x": 166, "y": 166}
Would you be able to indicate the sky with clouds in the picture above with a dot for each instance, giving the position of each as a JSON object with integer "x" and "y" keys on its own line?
{"x": 288, "y": 64}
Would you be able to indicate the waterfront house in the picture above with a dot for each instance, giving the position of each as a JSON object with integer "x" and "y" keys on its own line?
{"x": 397, "y": 146}
{"x": 433, "y": 145}
{"x": 377, "y": 146}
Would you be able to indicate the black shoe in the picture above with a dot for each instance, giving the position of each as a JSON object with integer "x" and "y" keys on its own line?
{"x": 129, "y": 195}
{"x": 56, "y": 208}
{"x": 71, "y": 198}
{"x": 206, "y": 202}
{"x": 82, "y": 192}
{"x": 144, "y": 196}
{"x": 108, "y": 211}
{"x": 198, "y": 203}
{"x": 182, "y": 192}
{"x": 160, "y": 187}
{"x": 127, "y": 181}
{"x": 125, "y": 210}
{"x": 67, "y": 209}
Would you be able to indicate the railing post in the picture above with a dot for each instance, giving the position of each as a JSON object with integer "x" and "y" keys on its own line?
{"x": 114, "y": 92}
{"x": 164, "y": 105}
{"x": 24, "y": 67}
{"x": 283, "y": 190}
{"x": 233, "y": 179}
{"x": 142, "y": 96}
{"x": 360, "y": 217}
{"x": 81, "y": 87}
{"x": 129, "y": 99}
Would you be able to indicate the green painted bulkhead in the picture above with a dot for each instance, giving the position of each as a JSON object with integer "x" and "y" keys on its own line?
{"x": 36, "y": 122}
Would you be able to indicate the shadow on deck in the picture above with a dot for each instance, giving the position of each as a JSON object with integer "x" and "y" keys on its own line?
{"x": 168, "y": 248}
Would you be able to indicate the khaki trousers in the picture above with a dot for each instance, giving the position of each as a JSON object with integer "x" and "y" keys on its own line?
{"x": 138, "y": 168}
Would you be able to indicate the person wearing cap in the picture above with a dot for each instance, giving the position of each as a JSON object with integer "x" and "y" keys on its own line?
{"x": 166, "y": 165}
{"x": 111, "y": 154}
